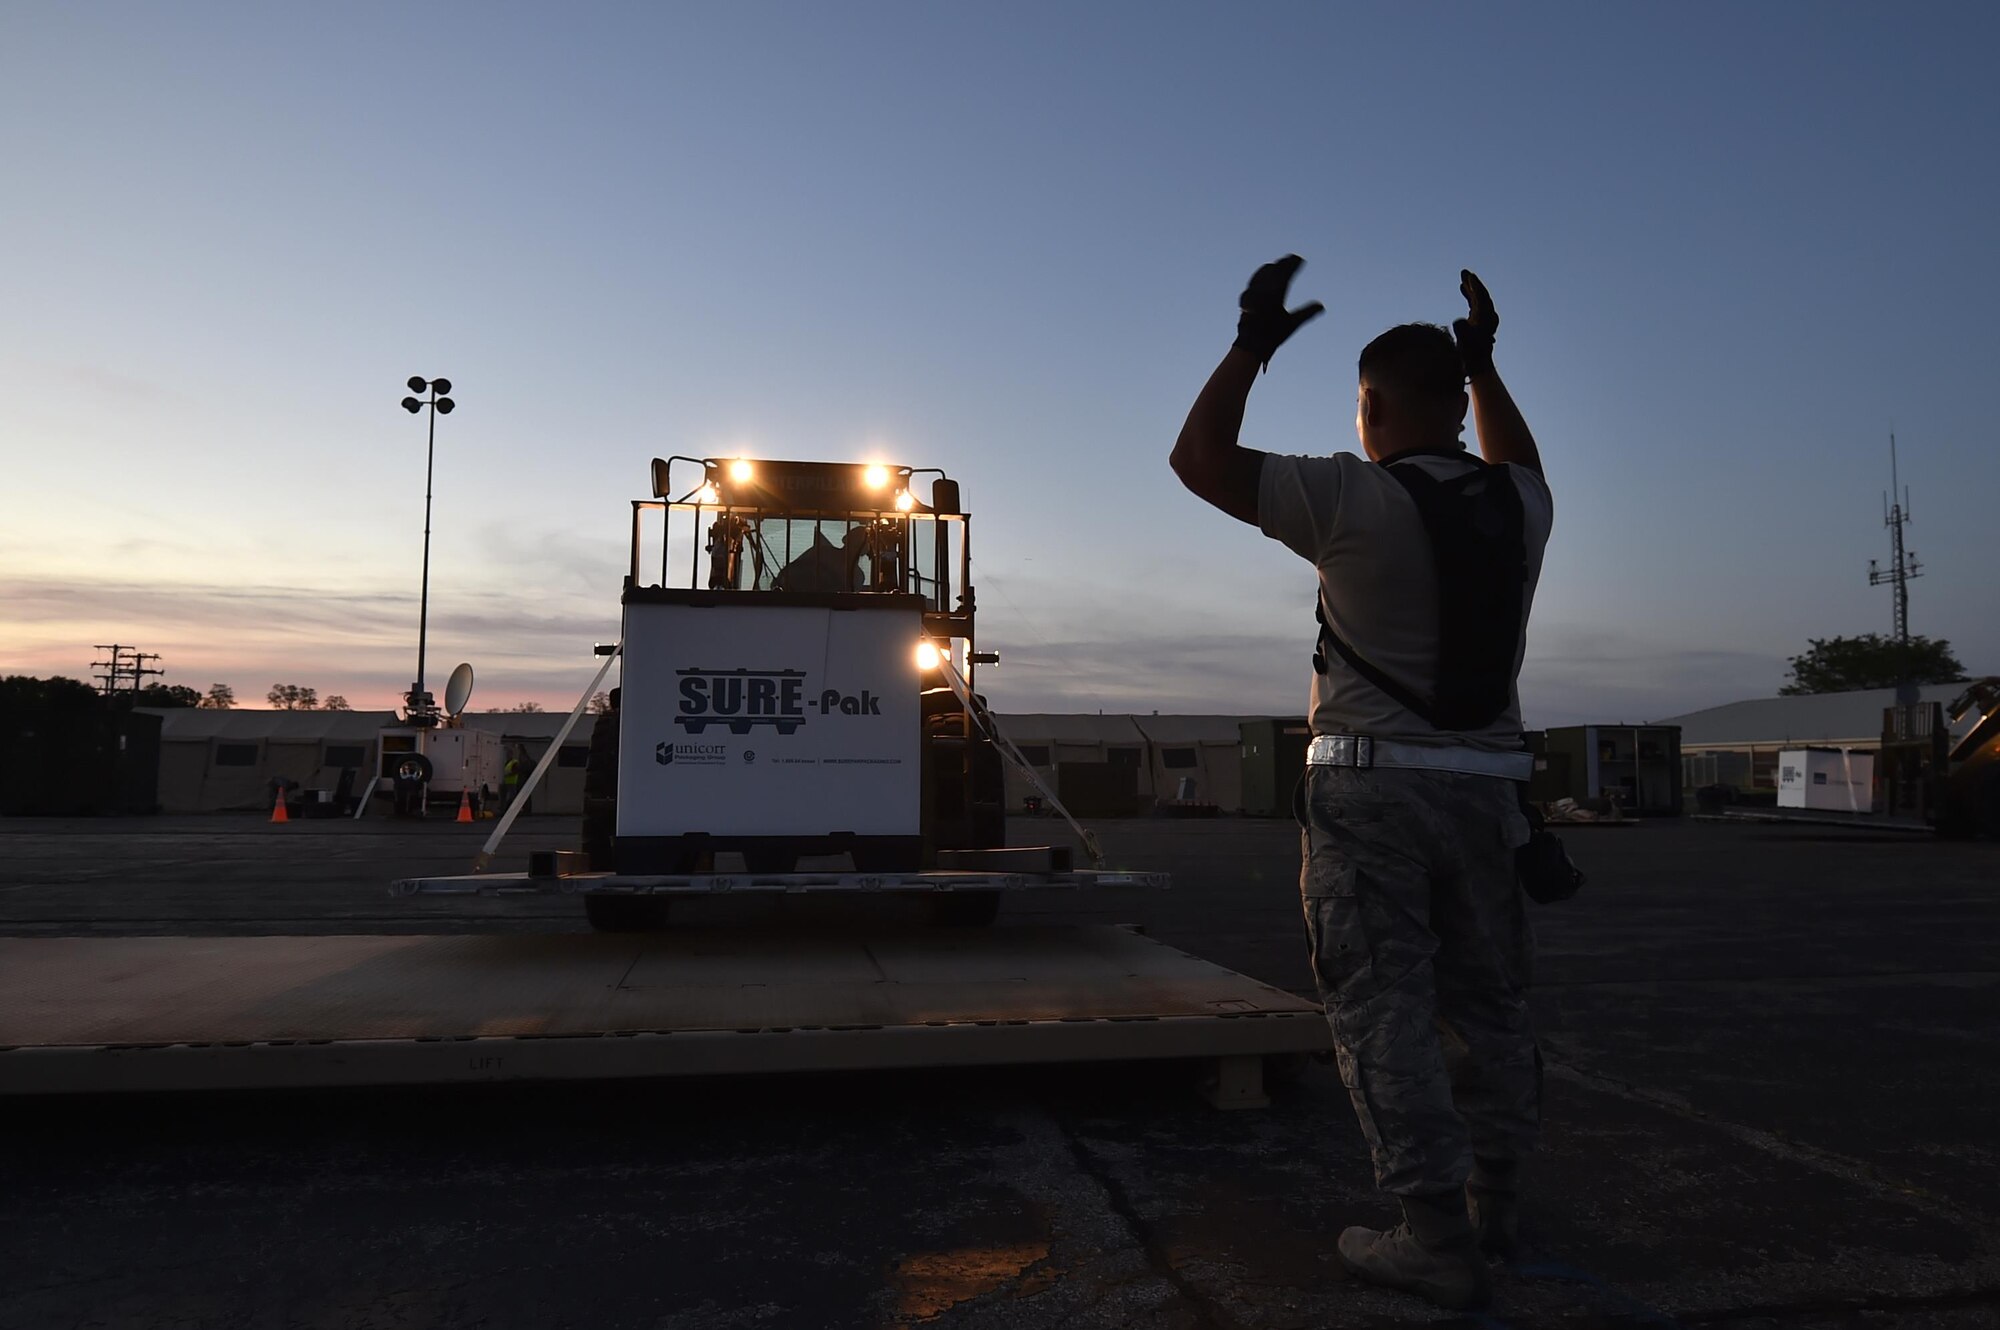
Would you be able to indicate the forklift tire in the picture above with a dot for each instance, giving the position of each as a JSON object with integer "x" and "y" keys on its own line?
{"x": 988, "y": 797}
{"x": 966, "y": 909}
{"x": 626, "y": 914}
{"x": 600, "y": 792}
{"x": 600, "y": 768}
{"x": 600, "y": 825}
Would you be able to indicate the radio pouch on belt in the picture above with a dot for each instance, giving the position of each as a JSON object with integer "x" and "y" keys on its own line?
{"x": 1543, "y": 865}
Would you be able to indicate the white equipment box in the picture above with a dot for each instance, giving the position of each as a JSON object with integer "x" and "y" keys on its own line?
{"x": 460, "y": 758}
{"x": 770, "y": 720}
{"x": 1826, "y": 779}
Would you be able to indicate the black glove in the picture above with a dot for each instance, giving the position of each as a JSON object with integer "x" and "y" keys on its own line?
{"x": 1474, "y": 332}
{"x": 1266, "y": 323}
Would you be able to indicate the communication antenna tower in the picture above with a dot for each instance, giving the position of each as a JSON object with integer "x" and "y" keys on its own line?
{"x": 1903, "y": 566}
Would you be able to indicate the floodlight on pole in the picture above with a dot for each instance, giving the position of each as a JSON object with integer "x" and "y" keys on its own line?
{"x": 422, "y": 710}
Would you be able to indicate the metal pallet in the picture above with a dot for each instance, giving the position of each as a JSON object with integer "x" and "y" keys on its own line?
{"x": 94, "y": 1015}
{"x": 772, "y": 884}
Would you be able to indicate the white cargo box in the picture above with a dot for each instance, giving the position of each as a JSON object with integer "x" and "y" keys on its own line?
{"x": 770, "y": 720}
{"x": 1826, "y": 779}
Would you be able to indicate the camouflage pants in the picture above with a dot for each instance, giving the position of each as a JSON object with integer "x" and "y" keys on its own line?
{"x": 1422, "y": 952}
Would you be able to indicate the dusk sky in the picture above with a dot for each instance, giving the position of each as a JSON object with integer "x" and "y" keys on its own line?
{"x": 1732, "y": 247}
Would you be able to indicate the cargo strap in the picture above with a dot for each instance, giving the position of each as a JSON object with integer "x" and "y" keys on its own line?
{"x": 1360, "y": 752}
{"x": 1013, "y": 754}
{"x": 484, "y": 859}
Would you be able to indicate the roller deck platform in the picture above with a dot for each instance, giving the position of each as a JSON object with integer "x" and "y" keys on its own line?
{"x": 830, "y": 882}
{"x": 95, "y": 1015}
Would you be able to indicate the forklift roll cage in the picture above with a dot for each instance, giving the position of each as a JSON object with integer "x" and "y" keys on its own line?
{"x": 772, "y": 528}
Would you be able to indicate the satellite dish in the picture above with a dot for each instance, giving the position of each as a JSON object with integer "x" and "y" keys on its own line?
{"x": 458, "y": 690}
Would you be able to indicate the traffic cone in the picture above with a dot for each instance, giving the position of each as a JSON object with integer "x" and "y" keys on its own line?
{"x": 278, "y": 813}
{"x": 464, "y": 806}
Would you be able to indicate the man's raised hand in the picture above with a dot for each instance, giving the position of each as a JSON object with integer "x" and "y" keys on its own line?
{"x": 1265, "y": 322}
{"x": 1474, "y": 332}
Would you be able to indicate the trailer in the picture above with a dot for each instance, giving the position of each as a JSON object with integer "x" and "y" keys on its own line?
{"x": 151, "y": 1014}
{"x": 421, "y": 767}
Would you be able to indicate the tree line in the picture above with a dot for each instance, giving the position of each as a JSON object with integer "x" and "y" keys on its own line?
{"x": 1829, "y": 665}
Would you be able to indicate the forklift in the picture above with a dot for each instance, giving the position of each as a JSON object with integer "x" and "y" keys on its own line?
{"x": 797, "y": 664}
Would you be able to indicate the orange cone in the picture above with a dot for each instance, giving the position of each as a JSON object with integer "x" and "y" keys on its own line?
{"x": 278, "y": 813}
{"x": 464, "y": 806}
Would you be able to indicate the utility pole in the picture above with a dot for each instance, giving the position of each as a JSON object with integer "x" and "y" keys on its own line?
{"x": 111, "y": 671}
{"x": 125, "y": 670}
{"x": 1903, "y": 567}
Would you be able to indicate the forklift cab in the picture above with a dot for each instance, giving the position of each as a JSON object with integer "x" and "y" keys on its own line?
{"x": 841, "y": 528}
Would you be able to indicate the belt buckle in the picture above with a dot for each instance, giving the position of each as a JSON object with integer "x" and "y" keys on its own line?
{"x": 1363, "y": 749}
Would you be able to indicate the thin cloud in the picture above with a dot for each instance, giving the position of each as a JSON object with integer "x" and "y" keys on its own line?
{"x": 1091, "y": 652}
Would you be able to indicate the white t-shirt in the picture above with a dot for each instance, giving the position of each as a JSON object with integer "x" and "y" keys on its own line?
{"x": 1358, "y": 526}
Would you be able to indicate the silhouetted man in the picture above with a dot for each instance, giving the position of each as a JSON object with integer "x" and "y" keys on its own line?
{"x": 1411, "y": 803}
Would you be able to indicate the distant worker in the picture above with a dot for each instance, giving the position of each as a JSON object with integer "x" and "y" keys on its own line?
{"x": 1411, "y": 805}
{"x": 511, "y": 776}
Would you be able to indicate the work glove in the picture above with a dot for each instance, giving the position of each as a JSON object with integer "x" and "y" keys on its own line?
{"x": 1474, "y": 332}
{"x": 1265, "y": 322}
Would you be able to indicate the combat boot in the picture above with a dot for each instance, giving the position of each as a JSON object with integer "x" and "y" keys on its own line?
{"x": 1433, "y": 1253}
{"x": 1493, "y": 1203}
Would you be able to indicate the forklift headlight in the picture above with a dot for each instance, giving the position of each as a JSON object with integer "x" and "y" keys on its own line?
{"x": 905, "y": 501}
{"x": 708, "y": 495}
{"x": 875, "y": 477}
{"x": 928, "y": 657}
{"x": 740, "y": 470}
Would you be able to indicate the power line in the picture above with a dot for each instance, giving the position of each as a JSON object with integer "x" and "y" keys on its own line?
{"x": 126, "y": 670}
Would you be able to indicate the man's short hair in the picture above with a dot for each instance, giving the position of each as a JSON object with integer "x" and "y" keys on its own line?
{"x": 1417, "y": 362}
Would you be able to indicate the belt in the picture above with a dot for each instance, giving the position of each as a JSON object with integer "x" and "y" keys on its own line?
{"x": 1360, "y": 751}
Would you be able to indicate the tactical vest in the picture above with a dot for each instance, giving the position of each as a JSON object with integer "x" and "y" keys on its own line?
{"x": 1478, "y": 539}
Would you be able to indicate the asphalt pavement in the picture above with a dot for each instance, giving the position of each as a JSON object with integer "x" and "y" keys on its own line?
{"x": 1773, "y": 1056}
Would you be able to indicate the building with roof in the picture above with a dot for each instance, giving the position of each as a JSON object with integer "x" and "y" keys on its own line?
{"x": 218, "y": 760}
{"x": 1738, "y": 743}
{"x": 1049, "y": 741}
{"x": 1194, "y": 758}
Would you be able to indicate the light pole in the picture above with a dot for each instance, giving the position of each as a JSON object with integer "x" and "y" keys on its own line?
{"x": 422, "y": 709}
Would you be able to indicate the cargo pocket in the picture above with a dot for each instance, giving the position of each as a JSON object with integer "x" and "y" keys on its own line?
{"x": 1343, "y": 961}
{"x": 1329, "y": 871}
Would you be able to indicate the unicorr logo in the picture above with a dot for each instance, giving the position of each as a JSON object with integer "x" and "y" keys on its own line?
{"x": 669, "y": 752}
